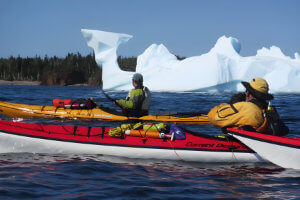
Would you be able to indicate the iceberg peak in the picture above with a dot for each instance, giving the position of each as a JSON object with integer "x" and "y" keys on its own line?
{"x": 227, "y": 46}
{"x": 155, "y": 50}
{"x": 105, "y": 44}
{"x": 155, "y": 55}
{"x": 272, "y": 52}
{"x": 297, "y": 56}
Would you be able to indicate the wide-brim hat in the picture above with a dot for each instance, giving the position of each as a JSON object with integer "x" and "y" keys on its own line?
{"x": 259, "y": 88}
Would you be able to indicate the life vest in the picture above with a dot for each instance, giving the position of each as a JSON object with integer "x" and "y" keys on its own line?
{"x": 140, "y": 101}
{"x": 147, "y": 99}
{"x": 262, "y": 128}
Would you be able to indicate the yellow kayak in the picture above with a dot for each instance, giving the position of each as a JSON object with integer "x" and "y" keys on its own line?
{"x": 99, "y": 113}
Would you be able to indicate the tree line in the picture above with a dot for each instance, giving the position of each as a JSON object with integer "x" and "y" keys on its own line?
{"x": 73, "y": 69}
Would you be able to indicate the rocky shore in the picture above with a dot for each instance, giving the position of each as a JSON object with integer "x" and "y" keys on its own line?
{"x": 2, "y": 82}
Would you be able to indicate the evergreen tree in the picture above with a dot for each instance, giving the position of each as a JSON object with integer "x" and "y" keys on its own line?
{"x": 73, "y": 69}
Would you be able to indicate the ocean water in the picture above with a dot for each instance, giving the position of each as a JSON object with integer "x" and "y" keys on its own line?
{"x": 48, "y": 176}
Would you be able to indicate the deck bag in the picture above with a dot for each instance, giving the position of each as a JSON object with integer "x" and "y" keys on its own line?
{"x": 144, "y": 134}
{"x": 61, "y": 103}
{"x": 83, "y": 104}
{"x": 154, "y": 127}
{"x": 176, "y": 132}
{"x": 74, "y": 104}
{"x": 147, "y": 134}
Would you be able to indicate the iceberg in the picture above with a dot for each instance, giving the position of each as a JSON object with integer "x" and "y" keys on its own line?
{"x": 221, "y": 69}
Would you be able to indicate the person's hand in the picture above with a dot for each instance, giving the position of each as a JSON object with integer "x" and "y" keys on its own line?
{"x": 116, "y": 102}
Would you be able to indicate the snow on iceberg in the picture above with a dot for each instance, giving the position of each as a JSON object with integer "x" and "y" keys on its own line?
{"x": 222, "y": 68}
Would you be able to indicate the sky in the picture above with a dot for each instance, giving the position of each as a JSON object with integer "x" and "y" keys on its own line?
{"x": 186, "y": 27}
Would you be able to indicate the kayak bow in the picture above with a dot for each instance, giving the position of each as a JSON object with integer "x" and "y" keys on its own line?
{"x": 282, "y": 151}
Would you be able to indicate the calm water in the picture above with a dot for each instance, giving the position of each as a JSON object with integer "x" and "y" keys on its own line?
{"x": 38, "y": 176}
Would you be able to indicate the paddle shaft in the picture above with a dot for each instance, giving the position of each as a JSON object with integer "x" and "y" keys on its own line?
{"x": 110, "y": 98}
{"x": 107, "y": 96}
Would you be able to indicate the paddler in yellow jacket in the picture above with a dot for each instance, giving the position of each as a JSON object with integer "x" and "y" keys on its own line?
{"x": 245, "y": 110}
{"x": 138, "y": 100}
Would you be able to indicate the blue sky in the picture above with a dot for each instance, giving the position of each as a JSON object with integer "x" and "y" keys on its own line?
{"x": 185, "y": 27}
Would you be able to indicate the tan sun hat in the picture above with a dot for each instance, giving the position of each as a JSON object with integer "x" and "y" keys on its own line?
{"x": 259, "y": 88}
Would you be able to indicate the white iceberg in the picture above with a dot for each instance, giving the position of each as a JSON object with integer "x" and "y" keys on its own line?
{"x": 222, "y": 68}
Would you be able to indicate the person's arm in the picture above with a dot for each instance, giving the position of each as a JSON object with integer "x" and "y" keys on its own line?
{"x": 223, "y": 115}
{"x": 236, "y": 115}
{"x": 126, "y": 103}
{"x": 135, "y": 101}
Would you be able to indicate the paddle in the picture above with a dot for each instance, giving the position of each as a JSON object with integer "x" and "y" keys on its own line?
{"x": 111, "y": 99}
{"x": 107, "y": 96}
{"x": 182, "y": 114}
{"x": 191, "y": 114}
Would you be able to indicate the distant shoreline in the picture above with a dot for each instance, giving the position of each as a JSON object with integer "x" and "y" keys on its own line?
{"x": 3, "y": 82}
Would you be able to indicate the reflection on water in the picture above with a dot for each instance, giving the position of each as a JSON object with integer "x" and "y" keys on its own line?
{"x": 150, "y": 178}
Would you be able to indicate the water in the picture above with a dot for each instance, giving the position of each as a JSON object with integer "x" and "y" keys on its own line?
{"x": 39, "y": 176}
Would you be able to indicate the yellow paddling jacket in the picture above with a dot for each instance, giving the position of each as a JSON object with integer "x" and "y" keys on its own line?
{"x": 237, "y": 115}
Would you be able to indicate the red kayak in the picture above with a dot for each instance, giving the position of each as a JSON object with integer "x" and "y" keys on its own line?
{"x": 282, "y": 151}
{"x": 44, "y": 138}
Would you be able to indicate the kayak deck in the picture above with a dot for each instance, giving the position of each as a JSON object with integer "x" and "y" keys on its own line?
{"x": 102, "y": 113}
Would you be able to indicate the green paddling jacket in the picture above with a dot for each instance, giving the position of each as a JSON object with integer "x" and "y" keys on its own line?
{"x": 137, "y": 102}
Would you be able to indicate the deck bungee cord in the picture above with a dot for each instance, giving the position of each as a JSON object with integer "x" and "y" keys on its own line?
{"x": 42, "y": 128}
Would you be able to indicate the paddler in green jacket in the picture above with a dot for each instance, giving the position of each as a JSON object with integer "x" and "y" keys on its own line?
{"x": 138, "y": 100}
{"x": 248, "y": 110}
